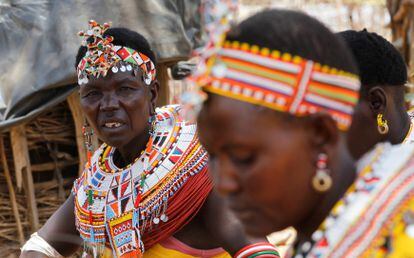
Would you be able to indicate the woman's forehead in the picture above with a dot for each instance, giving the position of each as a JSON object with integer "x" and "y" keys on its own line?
{"x": 113, "y": 78}
{"x": 235, "y": 121}
{"x": 228, "y": 111}
{"x": 220, "y": 108}
{"x": 230, "y": 121}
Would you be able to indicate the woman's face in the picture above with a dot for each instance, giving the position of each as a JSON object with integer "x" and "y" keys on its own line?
{"x": 118, "y": 106}
{"x": 262, "y": 161}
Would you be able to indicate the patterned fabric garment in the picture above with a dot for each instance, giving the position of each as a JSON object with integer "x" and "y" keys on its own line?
{"x": 375, "y": 218}
{"x": 148, "y": 201}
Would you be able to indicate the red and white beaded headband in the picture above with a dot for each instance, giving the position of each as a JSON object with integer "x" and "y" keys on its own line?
{"x": 102, "y": 56}
{"x": 281, "y": 82}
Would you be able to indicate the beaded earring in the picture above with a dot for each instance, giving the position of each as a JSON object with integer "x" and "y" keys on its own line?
{"x": 87, "y": 134}
{"x": 322, "y": 181}
{"x": 152, "y": 121}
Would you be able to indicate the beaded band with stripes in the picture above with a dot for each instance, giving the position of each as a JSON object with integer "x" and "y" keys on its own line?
{"x": 281, "y": 82}
{"x": 259, "y": 250}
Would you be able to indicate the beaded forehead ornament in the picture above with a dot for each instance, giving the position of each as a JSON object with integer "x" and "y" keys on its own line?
{"x": 102, "y": 55}
{"x": 281, "y": 82}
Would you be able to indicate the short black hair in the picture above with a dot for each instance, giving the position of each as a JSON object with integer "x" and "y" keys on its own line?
{"x": 127, "y": 38}
{"x": 296, "y": 33}
{"x": 379, "y": 62}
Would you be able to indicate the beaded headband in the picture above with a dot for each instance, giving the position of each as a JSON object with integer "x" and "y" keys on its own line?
{"x": 281, "y": 82}
{"x": 102, "y": 55}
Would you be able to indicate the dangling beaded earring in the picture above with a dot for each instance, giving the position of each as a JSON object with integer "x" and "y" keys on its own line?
{"x": 87, "y": 134}
{"x": 382, "y": 124}
{"x": 87, "y": 131}
{"x": 152, "y": 121}
{"x": 322, "y": 181}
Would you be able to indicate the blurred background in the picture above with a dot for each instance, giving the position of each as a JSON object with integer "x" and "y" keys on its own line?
{"x": 41, "y": 143}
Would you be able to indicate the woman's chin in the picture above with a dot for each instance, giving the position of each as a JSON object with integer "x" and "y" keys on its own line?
{"x": 257, "y": 231}
{"x": 257, "y": 225}
{"x": 115, "y": 143}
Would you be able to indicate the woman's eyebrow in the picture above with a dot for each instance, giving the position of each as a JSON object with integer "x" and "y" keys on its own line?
{"x": 90, "y": 86}
{"x": 126, "y": 79}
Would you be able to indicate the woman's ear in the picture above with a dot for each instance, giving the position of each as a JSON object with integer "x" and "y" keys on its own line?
{"x": 323, "y": 130}
{"x": 377, "y": 100}
{"x": 154, "y": 89}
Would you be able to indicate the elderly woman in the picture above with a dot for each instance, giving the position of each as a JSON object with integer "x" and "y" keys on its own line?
{"x": 146, "y": 191}
{"x": 281, "y": 92}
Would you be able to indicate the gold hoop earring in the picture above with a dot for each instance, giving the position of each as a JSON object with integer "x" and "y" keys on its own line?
{"x": 382, "y": 124}
{"x": 322, "y": 181}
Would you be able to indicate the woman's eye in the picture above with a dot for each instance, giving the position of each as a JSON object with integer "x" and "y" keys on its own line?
{"x": 126, "y": 88}
{"x": 243, "y": 159}
{"x": 91, "y": 94}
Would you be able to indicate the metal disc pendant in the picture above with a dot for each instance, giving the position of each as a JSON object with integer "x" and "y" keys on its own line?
{"x": 321, "y": 182}
{"x": 114, "y": 69}
{"x": 164, "y": 218}
{"x": 147, "y": 79}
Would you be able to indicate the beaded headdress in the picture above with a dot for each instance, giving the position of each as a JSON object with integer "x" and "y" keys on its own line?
{"x": 102, "y": 55}
{"x": 281, "y": 82}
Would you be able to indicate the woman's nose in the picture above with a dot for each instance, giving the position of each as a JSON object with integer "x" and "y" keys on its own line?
{"x": 109, "y": 102}
{"x": 225, "y": 178}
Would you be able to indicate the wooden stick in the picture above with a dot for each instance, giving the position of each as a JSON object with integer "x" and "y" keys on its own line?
{"x": 22, "y": 163}
{"x": 164, "y": 93}
{"x": 12, "y": 194}
{"x": 78, "y": 118}
{"x": 51, "y": 165}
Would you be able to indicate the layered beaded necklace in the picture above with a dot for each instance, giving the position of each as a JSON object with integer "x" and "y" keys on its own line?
{"x": 105, "y": 160}
{"x": 116, "y": 206}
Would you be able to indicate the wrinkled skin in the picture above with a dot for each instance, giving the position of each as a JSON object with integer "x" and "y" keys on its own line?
{"x": 263, "y": 162}
{"x": 123, "y": 98}
{"x": 120, "y": 98}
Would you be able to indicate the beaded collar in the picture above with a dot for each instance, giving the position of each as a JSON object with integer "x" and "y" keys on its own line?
{"x": 117, "y": 206}
{"x": 348, "y": 218}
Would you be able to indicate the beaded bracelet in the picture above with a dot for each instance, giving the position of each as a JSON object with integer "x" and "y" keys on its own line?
{"x": 258, "y": 250}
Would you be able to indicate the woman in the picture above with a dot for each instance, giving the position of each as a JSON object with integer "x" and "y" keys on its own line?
{"x": 380, "y": 114}
{"x": 279, "y": 103}
{"x": 146, "y": 190}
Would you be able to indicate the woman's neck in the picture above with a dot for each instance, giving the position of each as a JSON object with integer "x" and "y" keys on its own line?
{"x": 128, "y": 153}
{"x": 399, "y": 129}
{"x": 343, "y": 175}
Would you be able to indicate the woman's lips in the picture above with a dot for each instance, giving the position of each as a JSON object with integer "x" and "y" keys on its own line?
{"x": 113, "y": 124}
